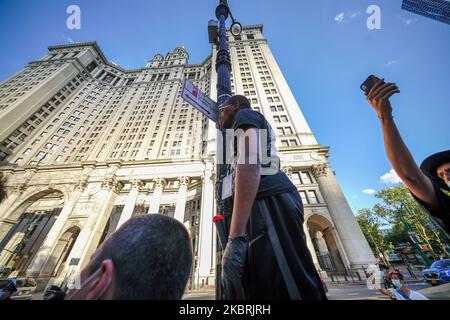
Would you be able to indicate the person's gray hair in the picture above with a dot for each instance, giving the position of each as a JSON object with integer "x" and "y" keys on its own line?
{"x": 152, "y": 258}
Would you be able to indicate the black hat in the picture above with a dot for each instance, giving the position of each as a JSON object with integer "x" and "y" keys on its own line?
{"x": 430, "y": 165}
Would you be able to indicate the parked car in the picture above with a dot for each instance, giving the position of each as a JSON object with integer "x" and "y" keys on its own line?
{"x": 24, "y": 287}
{"x": 438, "y": 272}
{"x": 7, "y": 288}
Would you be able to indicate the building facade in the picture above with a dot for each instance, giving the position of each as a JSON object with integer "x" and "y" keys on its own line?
{"x": 86, "y": 144}
{"x": 435, "y": 9}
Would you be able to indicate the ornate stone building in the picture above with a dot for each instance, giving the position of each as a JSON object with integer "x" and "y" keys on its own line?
{"x": 86, "y": 144}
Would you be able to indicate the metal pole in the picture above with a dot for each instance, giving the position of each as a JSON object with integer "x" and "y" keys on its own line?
{"x": 223, "y": 69}
{"x": 412, "y": 235}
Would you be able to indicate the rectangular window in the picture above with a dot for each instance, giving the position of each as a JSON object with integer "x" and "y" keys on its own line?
{"x": 296, "y": 178}
{"x": 303, "y": 196}
{"x": 313, "y": 197}
{"x": 41, "y": 155}
{"x": 306, "y": 178}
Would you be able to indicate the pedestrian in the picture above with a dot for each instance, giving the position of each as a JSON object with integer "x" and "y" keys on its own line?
{"x": 429, "y": 185}
{"x": 148, "y": 258}
{"x": 266, "y": 256}
{"x": 399, "y": 291}
{"x": 384, "y": 274}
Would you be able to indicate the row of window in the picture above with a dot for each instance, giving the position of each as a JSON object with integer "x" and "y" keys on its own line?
{"x": 309, "y": 197}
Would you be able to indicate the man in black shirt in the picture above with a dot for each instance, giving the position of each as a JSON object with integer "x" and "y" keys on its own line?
{"x": 429, "y": 185}
{"x": 266, "y": 253}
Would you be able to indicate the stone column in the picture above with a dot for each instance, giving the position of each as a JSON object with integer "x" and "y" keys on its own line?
{"x": 12, "y": 194}
{"x": 310, "y": 245}
{"x": 6, "y": 222}
{"x": 355, "y": 244}
{"x": 321, "y": 243}
{"x": 88, "y": 239}
{"x": 130, "y": 203}
{"x": 157, "y": 194}
{"x": 205, "y": 249}
{"x": 181, "y": 199}
{"x": 44, "y": 253}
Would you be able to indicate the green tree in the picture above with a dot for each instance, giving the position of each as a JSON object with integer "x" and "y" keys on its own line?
{"x": 370, "y": 224}
{"x": 388, "y": 210}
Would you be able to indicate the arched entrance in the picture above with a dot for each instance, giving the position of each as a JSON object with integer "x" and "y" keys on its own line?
{"x": 35, "y": 217}
{"x": 58, "y": 260}
{"x": 325, "y": 243}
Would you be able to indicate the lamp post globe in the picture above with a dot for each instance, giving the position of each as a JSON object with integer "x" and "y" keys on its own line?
{"x": 236, "y": 29}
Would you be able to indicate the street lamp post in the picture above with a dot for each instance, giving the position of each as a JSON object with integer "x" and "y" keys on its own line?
{"x": 223, "y": 69}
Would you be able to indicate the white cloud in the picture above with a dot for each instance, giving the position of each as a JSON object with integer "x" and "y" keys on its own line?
{"x": 368, "y": 191}
{"x": 68, "y": 39}
{"x": 391, "y": 63}
{"x": 390, "y": 177}
{"x": 340, "y": 17}
{"x": 355, "y": 14}
{"x": 409, "y": 21}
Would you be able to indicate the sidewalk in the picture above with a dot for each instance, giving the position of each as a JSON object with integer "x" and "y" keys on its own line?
{"x": 205, "y": 293}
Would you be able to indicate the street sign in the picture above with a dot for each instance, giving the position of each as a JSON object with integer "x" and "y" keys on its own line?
{"x": 200, "y": 101}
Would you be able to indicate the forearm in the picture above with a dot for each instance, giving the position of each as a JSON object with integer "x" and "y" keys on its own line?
{"x": 397, "y": 151}
{"x": 404, "y": 164}
{"x": 385, "y": 292}
{"x": 246, "y": 187}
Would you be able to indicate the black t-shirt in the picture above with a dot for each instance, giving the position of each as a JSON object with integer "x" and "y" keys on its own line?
{"x": 273, "y": 180}
{"x": 442, "y": 214}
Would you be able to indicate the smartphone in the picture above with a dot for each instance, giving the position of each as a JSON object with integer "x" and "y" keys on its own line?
{"x": 369, "y": 83}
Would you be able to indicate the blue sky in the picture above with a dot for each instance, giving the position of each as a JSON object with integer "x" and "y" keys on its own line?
{"x": 323, "y": 47}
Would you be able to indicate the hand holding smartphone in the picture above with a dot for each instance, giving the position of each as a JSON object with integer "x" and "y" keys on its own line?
{"x": 369, "y": 83}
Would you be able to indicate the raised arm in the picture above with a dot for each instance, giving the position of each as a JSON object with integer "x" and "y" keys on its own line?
{"x": 396, "y": 150}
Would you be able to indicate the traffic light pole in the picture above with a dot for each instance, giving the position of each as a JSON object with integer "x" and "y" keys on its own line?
{"x": 412, "y": 235}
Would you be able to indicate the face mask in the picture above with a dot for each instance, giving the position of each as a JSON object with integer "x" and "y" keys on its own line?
{"x": 396, "y": 283}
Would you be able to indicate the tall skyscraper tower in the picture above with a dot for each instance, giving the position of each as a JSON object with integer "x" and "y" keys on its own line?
{"x": 86, "y": 144}
{"x": 435, "y": 9}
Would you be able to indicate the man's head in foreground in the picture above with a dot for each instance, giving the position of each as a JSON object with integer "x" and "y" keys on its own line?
{"x": 437, "y": 167}
{"x": 148, "y": 258}
{"x": 229, "y": 109}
